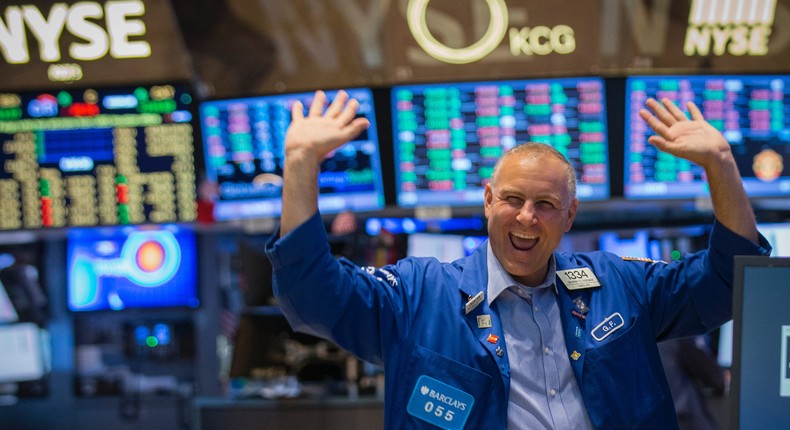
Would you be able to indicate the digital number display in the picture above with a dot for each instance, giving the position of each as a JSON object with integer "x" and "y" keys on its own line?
{"x": 244, "y": 142}
{"x": 96, "y": 157}
{"x": 753, "y": 114}
{"x": 449, "y": 136}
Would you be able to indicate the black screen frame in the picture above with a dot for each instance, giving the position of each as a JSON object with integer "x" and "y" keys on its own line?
{"x": 742, "y": 262}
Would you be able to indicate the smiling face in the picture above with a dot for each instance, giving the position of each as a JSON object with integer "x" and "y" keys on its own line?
{"x": 529, "y": 205}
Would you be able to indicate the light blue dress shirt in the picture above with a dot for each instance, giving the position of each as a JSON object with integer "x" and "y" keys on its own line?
{"x": 543, "y": 391}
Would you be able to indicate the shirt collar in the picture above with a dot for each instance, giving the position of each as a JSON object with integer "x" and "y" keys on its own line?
{"x": 499, "y": 280}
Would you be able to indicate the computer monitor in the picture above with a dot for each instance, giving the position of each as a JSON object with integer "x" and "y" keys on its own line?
{"x": 97, "y": 156}
{"x": 23, "y": 298}
{"x": 761, "y": 351}
{"x": 244, "y": 143}
{"x": 751, "y": 111}
{"x": 7, "y": 311}
{"x": 25, "y": 354}
{"x": 133, "y": 267}
{"x": 778, "y": 235}
{"x": 444, "y": 247}
{"x": 448, "y": 136}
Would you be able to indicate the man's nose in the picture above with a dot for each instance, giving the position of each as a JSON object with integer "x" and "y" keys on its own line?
{"x": 527, "y": 214}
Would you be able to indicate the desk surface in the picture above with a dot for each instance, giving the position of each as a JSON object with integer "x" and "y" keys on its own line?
{"x": 330, "y": 413}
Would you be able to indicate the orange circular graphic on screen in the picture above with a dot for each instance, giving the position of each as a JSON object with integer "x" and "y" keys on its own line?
{"x": 150, "y": 256}
{"x": 767, "y": 165}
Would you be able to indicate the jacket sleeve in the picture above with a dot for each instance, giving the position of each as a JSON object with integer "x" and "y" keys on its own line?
{"x": 363, "y": 310}
{"x": 693, "y": 295}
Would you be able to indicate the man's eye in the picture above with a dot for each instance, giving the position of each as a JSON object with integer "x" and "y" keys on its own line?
{"x": 545, "y": 204}
{"x": 513, "y": 199}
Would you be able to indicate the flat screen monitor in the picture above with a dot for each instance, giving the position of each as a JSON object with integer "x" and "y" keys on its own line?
{"x": 244, "y": 143}
{"x": 7, "y": 311}
{"x": 96, "y": 156}
{"x": 448, "y": 136}
{"x": 760, "y": 388}
{"x": 133, "y": 267}
{"x": 753, "y": 114}
{"x": 25, "y": 352}
{"x": 444, "y": 247}
{"x": 778, "y": 235}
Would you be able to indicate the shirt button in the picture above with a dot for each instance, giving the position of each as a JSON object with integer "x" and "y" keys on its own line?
{"x": 546, "y": 349}
{"x": 553, "y": 392}
{"x": 537, "y": 308}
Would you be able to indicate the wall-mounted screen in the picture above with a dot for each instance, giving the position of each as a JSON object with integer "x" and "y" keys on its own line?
{"x": 449, "y": 136}
{"x": 244, "y": 143}
{"x": 94, "y": 157}
{"x": 753, "y": 113}
{"x": 131, "y": 267}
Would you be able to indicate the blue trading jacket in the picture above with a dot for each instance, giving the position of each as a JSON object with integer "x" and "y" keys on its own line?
{"x": 442, "y": 369}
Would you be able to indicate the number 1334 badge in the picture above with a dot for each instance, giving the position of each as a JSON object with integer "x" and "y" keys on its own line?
{"x": 435, "y": 402}
{"x": 578, "y": 279}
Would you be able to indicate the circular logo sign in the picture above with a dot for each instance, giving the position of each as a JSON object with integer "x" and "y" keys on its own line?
{"x": 497, "y": 27}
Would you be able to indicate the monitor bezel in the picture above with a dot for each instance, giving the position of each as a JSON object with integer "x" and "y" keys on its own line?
{"x": 741, "y": 262}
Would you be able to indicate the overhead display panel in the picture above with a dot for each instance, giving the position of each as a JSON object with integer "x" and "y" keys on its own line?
{"x": 269, "y": 46}
{"x": 54, "y": 43}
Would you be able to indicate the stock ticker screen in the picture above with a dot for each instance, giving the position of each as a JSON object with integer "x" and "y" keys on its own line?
{"x": 244, "y": 143}
{"x": 96, "y": 157}
{"x": 753, "y": 114}
{"x": 449, "y": 136}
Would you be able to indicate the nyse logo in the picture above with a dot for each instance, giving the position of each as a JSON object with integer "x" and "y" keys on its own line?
{"x": 81, "y": 19}
{"x": 735, "y": 27}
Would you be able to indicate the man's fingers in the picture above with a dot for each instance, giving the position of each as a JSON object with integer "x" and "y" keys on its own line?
{"x": 297, "y": 111}
{"x": 660, "y": 111}
{"x": 658, "y": 141}
{"x": 674, "y": 110}
{"x": 317, "y": 107}
{"x": 349, "y": 112}
{"x": 657, "y": 125}
{"x": 696, "y": 114}
{"x": 357, "y": 126}
{"x": 336, "y": 106}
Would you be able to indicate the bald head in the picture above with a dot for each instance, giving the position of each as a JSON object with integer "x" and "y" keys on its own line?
{"x": 538, "y": 151}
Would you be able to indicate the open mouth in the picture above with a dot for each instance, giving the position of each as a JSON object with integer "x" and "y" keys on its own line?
{"x": 523, "y": 242}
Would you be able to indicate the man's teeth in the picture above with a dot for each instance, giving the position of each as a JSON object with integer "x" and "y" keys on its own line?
{"x": 524, "y": 236}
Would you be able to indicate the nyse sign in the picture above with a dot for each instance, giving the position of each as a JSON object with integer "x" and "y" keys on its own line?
{"x": 735, "y": 27}
{"x": 122, "y": 21}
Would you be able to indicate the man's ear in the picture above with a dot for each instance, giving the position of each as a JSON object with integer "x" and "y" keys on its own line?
{"x": 488, "y": 199}
{"x": 571, "y": 214}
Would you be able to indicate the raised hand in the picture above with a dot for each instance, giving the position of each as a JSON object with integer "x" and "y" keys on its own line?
{"x": 692, "y": 139}
{"x": 699, "y": 142}
{"x": 308, "y": 140}
{"x": 319, "y": 133}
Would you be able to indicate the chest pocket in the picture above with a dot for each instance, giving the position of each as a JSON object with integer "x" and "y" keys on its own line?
{"x": 424, "y": 362}
{"x": 624, "y": 380}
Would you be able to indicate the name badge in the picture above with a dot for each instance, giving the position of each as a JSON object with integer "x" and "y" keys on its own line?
{"x": 611, "y": 324}
{"x": 439, "y": 404}
{"x": 474, "y": 302}
{"x": 578, "y": 279}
